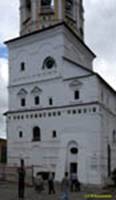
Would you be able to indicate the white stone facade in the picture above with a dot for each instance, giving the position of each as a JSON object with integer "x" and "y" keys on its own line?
{"x": 86, "y": 123}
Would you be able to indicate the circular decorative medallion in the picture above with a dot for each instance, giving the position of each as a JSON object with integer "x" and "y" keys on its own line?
{"x": 49, "y": 63}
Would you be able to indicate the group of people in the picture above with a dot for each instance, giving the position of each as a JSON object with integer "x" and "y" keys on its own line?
{"x": 39, "y": 183}
{"x": 67, "y": 184}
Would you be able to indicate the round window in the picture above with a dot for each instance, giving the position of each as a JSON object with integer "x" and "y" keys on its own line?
{"x": 49, "y": 63}
{"x": 74, "y": 150}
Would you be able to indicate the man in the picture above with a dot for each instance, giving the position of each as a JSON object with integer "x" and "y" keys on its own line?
{"x": 21, "y": 181}
{"x": 51, "y": 184}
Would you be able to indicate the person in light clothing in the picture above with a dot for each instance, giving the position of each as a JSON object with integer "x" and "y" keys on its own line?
{"x": 65, "y": 187}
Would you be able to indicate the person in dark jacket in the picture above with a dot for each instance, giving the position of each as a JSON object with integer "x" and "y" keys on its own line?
{"x": 21, "y": 181}
{"x": 51, "y": 188}
{"x": 75, "y": 184}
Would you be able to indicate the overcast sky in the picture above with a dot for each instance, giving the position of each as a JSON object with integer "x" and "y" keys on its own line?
{"x": 100, "y": 36}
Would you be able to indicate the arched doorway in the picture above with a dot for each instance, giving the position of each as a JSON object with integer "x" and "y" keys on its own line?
{"x": 72, "y": 158}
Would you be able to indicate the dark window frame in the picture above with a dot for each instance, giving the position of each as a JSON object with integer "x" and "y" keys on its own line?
{"x": 23, "y": 102}
{"x": 54, "y": 134}
{"x": 37, "y": 100}
{"x": 50, "y": 101}
{"x": 74, "y": 150}
{"x": 36, "y": 134}
{"x": 76, "y": 94}
{"x": 22, "y": 66}
{"x": 20, "y": 134}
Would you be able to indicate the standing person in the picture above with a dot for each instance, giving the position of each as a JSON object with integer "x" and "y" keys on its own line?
{"x": 78, "y": 185}
{"x": 51, "y": 188}
{"x": 39, "y": 183}
{"x": 75, "y": 184}
{"x": 21, "y": 181}
{"x": 65, "y": 187}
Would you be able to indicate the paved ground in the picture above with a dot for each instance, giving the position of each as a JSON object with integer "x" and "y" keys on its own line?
{"x": 8, "y": 191}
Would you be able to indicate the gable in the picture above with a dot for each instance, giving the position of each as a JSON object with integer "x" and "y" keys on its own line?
{"x": 36, "y": 90}
{"x": 75, "y": 83}
{"x": 22, "y": 92}
{"x": 71, "y": 69}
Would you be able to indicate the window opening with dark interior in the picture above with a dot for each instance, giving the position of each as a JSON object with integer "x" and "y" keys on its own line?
{"x": 76, "y": 94}
{"x": 46, "y": 2}
{"x": 36, "y": 134}
{"x": 23, "y": 102}
{"x": 50, "y": 101}
{"x": 74, "y": 150}
{"x": 22, "y": 66}
{"x": 49, "y": 63}
{"x": 37, "y": 100}
{"x": 54, "y": 134}
{"x": 20, "y": 134}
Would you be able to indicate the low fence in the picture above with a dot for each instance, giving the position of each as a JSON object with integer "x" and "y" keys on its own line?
{"x": 10, "y": 174}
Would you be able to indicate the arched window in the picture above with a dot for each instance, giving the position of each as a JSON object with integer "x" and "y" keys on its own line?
{"x": 22, "y": 66}
{"x": 36, "y": 134}
{"x": 50, "y": 101}
{"x": 54, "y": 134}
{"x": 37, "y": 100}
{"x": 22, "y": 97}
{"x": 20, "y": 134}
{"x": 76, "y": 94}
{"x": 23, "y": 102}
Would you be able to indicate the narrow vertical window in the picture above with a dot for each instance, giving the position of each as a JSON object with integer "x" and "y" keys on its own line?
{"x": 36, "y": 134}
{"x": 54, "y": 134}
{"x": 37, "y": 100}
{"x": 20, "y": 134}
{"x": 76, "y": 94}
{"x": 23, "y": 102}
{"x": 114, "y": 136}
{"x": 22, "y": 66}
{"x": 50, "y": 101}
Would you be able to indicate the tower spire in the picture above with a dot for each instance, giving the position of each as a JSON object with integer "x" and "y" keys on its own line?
{"x": 39, "y": 14}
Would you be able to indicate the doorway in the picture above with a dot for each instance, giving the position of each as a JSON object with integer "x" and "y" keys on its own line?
{"x": 73, "y": 168}
{"x": 72, "y": 158}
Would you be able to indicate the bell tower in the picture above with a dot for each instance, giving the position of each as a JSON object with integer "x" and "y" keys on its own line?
{"x": 39, "y": 14}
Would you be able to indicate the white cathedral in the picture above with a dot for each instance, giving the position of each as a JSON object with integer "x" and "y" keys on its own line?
{"x": 62, "y": 115}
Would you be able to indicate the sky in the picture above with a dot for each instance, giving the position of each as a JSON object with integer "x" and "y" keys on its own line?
{"x": 100, "y": 36}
